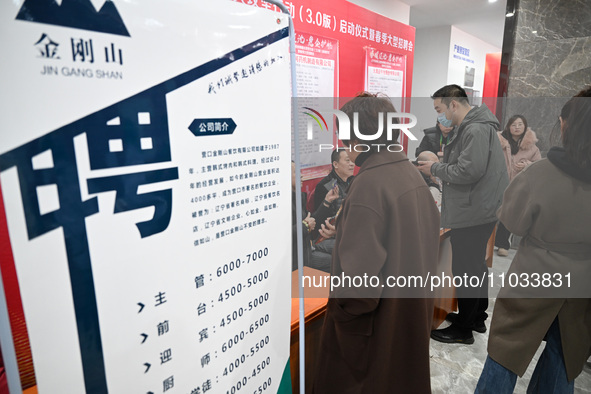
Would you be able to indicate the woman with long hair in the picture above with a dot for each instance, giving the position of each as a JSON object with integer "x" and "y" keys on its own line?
{"x": 519, "y": 146}
{"x": 549, "y": 206}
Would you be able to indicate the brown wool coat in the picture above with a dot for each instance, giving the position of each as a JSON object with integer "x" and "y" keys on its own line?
{"x": 552, "y": 212}
{"x": 527, "y": 154}
{"x": 373, "y": 341}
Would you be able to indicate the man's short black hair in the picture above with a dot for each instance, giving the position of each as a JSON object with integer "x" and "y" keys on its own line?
{"x": 451, "y": 92}
{"x": 335, "y": 156}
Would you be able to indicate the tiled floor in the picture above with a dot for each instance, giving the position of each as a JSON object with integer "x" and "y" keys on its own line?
{"x": 455, "y": 368}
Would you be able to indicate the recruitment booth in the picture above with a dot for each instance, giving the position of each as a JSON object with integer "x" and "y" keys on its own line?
{"x": 145, "y": 187}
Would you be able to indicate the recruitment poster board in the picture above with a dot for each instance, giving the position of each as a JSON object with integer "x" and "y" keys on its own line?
{"x": 145, "y": 177}
{"x": 316, "y": 79}
{"x": 384, "y": 73}
{"x": 355, "y": 28}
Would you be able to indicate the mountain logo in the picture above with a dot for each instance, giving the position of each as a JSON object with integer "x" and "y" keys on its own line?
{"x": 79, "y": 14}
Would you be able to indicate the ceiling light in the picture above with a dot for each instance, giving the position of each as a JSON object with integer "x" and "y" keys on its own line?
{"x": 492, "y": 1}
{"x": 510, "y": 14}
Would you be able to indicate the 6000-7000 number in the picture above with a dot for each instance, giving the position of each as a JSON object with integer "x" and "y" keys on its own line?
{"x": 236, "y": 264}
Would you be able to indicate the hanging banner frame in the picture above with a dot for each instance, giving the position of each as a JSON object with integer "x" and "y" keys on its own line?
{"x": 385, "y": 73}
{"x": 259, "y": 55}
{"x": 317, "y": 78}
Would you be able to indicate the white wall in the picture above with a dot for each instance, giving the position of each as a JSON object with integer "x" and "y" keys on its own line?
{"x": 393, "y": 9}
{"x": 434, "y": 62}
{"x": 431, "y": 60}
{"x": 435, "y": 66}
{"x": 429, "y": 74}
{"x": 477, "y": 54}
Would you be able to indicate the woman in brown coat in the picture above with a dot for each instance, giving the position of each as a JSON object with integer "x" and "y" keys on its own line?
{"x": 374, "y": 340}
{"x": 519, "y": 146}
{"x": 546, "y": 295}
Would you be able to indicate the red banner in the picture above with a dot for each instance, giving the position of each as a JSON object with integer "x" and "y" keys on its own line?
{"x": 355, "y": 28}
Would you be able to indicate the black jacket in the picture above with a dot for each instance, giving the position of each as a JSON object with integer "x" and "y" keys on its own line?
{"x": 433, "y": 140}
{"x": 321, "y": 191}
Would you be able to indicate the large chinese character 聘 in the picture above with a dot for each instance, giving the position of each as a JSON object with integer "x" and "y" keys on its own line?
{"x": 128, "y": 198}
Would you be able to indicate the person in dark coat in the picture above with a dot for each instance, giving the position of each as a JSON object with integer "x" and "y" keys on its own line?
{"x": 435, "y": 139}
{"x": 554, "y": 225}
{"x": 474, "y": 177}
{"x": 519, "y": 146}
{"x": 341, "y": 175}
{"x": 376, "y": 339}
{"x": 328, "y": 198}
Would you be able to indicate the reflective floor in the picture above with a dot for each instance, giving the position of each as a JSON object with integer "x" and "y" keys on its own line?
{"x": 455, "y": 368}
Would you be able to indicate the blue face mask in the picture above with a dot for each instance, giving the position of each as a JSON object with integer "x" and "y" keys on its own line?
{"x": 443, "y": 120}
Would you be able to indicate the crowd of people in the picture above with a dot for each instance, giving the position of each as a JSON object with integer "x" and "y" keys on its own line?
{"x": 472, "y": 176}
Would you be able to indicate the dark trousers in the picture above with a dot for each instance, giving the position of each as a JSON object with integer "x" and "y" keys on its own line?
{"x": 468, "y": 246}
{"x": 502, "y": 237}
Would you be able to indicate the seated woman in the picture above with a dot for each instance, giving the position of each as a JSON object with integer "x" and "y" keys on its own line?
{"x": 519, "y": 146}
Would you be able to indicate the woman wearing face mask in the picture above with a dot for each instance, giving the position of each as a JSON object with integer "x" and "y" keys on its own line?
{"x": 519, "y": 146}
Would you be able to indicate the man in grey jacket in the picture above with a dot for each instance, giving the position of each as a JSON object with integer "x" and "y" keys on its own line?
{"x": 474, "y": 178}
